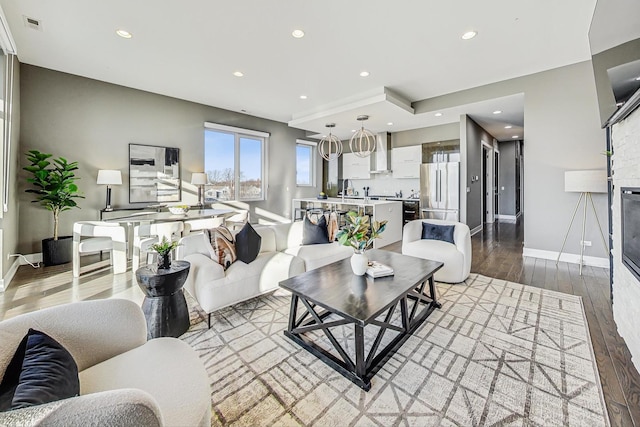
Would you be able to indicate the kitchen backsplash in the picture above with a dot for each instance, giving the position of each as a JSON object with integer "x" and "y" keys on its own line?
{"x": 385, "y": 185}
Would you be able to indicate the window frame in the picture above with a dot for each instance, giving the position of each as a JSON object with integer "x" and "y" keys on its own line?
{"x": 312, "y": 162}
{"x": 239, "y": 133}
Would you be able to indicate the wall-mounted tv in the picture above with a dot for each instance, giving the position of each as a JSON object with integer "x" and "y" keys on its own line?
{"x": 631, "y": 229}
{"x": 614, "y": 38}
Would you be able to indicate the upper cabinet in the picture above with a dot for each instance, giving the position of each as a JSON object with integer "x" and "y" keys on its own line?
{"x": 406, "y": 161}
{"x": 355, "y": 167}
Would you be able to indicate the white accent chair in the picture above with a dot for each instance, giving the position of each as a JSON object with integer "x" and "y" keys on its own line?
{"x": 195, "y": 225}
{"x": 98, "y": 236}
{"x": 145, "y": 235}
{"x": 456, "y": 257}
{"x": 125, "y": 380}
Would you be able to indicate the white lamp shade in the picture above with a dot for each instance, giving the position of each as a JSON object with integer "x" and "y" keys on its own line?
{"x": 109, "y": 177}
{"x": 199, "y": 178}
{"x": 590, "y": 181}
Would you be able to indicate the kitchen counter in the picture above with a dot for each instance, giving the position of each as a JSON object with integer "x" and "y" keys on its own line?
{"x": 379, "y": 210}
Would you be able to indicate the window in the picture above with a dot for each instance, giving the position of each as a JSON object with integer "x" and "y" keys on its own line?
{"x": 234, "y": 160}
{"x": 305, "y": 162}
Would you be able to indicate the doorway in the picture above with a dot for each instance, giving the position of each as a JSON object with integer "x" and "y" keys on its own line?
{"x": 489, "y": 183}
{"x": 496, "y": 182}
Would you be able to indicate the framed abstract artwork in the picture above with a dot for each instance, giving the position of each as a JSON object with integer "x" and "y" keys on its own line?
{"x": 154, "y": 174}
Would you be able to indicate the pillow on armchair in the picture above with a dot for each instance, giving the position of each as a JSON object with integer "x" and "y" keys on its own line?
{"x": 438, "y": 232}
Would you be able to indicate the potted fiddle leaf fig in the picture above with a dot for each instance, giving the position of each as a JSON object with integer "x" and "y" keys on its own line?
{"x": 53, "y": 185}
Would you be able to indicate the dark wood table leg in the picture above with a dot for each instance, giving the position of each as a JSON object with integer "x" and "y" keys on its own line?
{"x": 432, "y": 291}
{"x": 293, "y": 311}
{"x": 360, "y": 362}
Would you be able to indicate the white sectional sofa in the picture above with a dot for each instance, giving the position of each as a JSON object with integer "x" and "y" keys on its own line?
{"x": 282, "y": 255}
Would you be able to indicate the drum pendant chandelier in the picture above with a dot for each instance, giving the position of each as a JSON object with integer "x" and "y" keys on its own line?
{"x": 330, "y": 146}
{"x": 363, "y": 142}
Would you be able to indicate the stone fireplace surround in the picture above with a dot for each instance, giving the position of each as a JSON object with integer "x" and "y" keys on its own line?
{"x": 625, "y": 137}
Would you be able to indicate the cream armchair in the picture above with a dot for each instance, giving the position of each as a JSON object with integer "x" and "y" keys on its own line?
{"x": 456, "y": 257}
{"x": 124, "y": 380}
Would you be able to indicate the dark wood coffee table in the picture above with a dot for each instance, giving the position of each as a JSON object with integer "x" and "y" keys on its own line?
{"x": 360, "y": 300}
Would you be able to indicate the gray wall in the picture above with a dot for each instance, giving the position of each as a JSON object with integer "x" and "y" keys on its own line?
{"x": 474, "y": 135}
{"x": 507, "y": 178}
{"x": 93, "y": 122}
{"x": 9, "y": 219}
{"x": 430, "y": 134}
{"x": 562, "y": 133}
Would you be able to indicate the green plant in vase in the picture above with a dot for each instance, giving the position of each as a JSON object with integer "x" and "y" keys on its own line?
{"x": 164, "y": 249}
{"x": 53, "y": 184}
{"x": 359, "y": 233}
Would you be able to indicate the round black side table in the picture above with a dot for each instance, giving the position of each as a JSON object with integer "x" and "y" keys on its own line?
{"x": 164, "y": 306}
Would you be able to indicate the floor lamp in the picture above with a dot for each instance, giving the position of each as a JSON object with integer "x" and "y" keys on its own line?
{"x": 585, "y": 183}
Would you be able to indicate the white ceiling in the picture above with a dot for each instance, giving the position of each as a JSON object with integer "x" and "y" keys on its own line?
{"x": 189, "y": 50}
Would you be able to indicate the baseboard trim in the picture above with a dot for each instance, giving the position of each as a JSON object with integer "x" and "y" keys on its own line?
{"x": 6, "y": 280}
{"x": 476, "y": 230}
{"x": 570, "y": 258}
{"x": 507, "y": 218}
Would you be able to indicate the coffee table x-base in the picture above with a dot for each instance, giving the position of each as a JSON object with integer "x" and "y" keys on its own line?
{"x": 361, "y": 301}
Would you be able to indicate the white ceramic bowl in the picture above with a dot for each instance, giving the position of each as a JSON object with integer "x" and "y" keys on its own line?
{"x": 178, "y": 210}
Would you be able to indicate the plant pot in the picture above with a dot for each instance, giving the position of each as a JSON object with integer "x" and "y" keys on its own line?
{"x": 56, "y": 252}
{"x": 164, "y": 261}
{"x": 359, "y": 263}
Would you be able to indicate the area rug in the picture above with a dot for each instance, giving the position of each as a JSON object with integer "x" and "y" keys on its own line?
{"x": 496, "y": 354}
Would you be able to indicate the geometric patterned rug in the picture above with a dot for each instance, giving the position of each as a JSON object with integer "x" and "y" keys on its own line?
{"x": 496, "y": 354}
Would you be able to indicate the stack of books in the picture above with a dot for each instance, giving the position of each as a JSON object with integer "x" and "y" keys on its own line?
{"x": 377, "y": 269}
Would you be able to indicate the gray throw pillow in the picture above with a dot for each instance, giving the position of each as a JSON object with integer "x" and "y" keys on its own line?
{"x": 438, "y": 232}
{"x": 315, "y": 234}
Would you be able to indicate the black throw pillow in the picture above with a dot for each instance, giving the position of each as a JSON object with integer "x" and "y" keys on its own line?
{"x": 48, "y": 372}
{"x": 315, "y": 234}
{"x": 12, "y": 376}
{"x": 247, "y": 244}
{"x": 438, "y": 232}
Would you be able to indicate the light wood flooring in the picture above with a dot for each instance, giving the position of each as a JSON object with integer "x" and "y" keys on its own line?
{"x": 497, "y": 252}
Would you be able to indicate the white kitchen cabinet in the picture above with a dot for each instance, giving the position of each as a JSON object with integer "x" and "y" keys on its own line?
{"x": 355, "y": 167}
{"x": 406, "y": 161}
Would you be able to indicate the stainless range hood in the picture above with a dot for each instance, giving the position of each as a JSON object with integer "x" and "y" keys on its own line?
{"x": 381, "y": 158}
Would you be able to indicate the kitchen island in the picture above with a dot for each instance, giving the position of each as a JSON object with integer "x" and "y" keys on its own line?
{"x": 378, "y": 210}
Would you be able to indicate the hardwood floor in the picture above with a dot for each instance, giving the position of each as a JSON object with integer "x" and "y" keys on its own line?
{"x": 497, "y": 252}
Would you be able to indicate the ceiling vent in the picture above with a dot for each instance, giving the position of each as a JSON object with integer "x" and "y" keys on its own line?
{"x": 34, "y": 24}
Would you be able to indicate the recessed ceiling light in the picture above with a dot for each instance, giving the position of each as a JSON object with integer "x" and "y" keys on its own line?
{"x": 497, "y": 112}
{"x": 469, "y": 35}
{"x": 238, "y": 73}
{"x": 303, "y": 96}
{"x": 124, "y": 34}
{"x": 508, "y": 127}
{"x": 353, "y": 130}
{"x": 297, "y": 34}
{"x": 438, "y": 114}
{"x": 390, "y": 124}
{"x": 638, "y": 79}
{"x": 515, "y": 137}
{"x": 364, "y": 74}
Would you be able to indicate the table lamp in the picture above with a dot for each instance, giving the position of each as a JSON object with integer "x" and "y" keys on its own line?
{"x": 199, "y": 179}
{"x": 584, "y": 182}
{"x": 109, "y": 178}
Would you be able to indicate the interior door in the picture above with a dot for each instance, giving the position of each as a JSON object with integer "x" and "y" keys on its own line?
{"x": 496, "y": 187}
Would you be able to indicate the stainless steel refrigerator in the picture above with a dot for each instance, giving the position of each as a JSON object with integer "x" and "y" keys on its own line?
{"x": 440, "y": 190}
